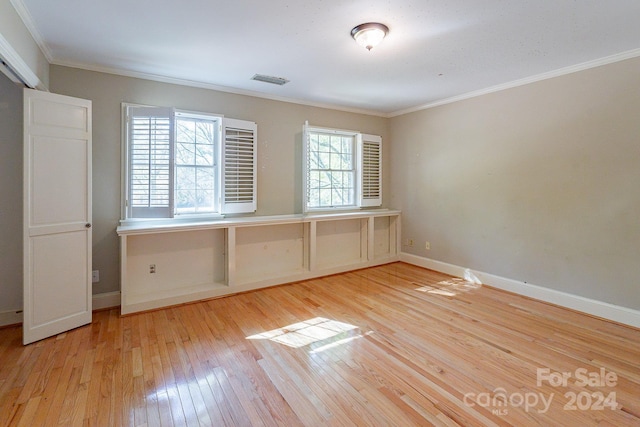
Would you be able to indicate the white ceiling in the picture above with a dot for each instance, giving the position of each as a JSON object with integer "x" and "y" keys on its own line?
{"x": 436, "y": 49}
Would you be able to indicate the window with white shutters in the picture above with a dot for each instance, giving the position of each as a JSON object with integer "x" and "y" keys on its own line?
{"x": 342, "y": 169}
{"x": 185, "y": 163}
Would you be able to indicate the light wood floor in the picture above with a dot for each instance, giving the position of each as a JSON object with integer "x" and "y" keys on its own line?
{"x": 395, "y": 345}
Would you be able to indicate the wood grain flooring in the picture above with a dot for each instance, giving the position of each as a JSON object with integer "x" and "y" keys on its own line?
{"x": 394, "y": 345}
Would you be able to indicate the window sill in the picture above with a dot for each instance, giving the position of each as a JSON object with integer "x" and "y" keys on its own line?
{"x": 348, "y": 213}
{"x": 133, "y": 227}
{"x": 169, "y": 221}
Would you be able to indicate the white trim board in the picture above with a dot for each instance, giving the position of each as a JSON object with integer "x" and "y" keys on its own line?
{"x": 11, "y": 57}
{"x": 100, "y": 301}
{"x": 593, "y": 307}
{"x": 106, "y": 300}
{"x": 10, "y": 317}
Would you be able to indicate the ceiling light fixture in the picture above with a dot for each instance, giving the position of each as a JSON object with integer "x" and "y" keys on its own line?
{"x": 369, "y": 35}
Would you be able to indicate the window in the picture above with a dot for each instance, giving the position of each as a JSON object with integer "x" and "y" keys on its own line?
{"x": 196, "y": 139}
{"x": 331, "y": 170}
{"x": 183, "y": 163}
{"x": 342, "y": 169}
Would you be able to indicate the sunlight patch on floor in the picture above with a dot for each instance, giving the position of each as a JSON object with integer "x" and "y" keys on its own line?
{"x": 307, "y": 332}
{"x": 450, "y": 288}
{"x": 338, "y": 343}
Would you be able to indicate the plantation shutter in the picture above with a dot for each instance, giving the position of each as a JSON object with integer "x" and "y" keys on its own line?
{"x": 371, "y": 171}
{"x": 150, "y": 176}
{"x": 306, "y": 177}
{"x": 239, "y": 158}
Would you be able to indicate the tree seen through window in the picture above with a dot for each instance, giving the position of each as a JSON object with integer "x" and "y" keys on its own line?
{"x": 195, "y": 165}
{"x": 331, "y": 171}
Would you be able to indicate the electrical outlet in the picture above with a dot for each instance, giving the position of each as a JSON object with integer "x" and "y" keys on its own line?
{"x": 95, "y": 276}
{"x": 427, "y": 246}
{"x": 152, "y": 268}
{"x": 410, "y": 242}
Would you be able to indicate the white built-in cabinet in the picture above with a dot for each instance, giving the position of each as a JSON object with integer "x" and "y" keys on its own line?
{"x": 171, "y": 263}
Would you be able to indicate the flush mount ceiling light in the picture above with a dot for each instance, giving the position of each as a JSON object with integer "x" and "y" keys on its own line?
{"x": 369, "y": 35}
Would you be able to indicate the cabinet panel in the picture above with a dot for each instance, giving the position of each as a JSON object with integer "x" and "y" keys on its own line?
{"x": 269, "y": 251}
{"x": 180, "y": 260}
{"x": 382, "y": 237}
{"x": 339, "y": 243}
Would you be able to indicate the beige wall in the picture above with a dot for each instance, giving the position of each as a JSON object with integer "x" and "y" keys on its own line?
{"x": 10, "y": 195}
{"x": 19, "y": 38}
{"x": 16, "y": 44}
{"x": 279, "y": 145}
{"x": 540, "y": 183}
{"x": 536, "y": 183}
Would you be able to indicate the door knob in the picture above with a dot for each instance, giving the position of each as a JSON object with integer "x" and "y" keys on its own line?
{"x": 88, "y": 225}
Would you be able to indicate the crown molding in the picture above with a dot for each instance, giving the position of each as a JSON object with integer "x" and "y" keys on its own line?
{"x": 210, "y": 86}
{"x": 521, "y": 82}
{"x": 27, "y": 19}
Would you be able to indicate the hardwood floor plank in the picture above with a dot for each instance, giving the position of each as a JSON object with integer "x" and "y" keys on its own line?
{"x": 302, "y": 407}
{"x": 26, "y": 419}
{"x": 170, "y": 392}
{"x": 66, "y": 407}
{"x": 390, "y": 345}
{"x": 238, "y": 415}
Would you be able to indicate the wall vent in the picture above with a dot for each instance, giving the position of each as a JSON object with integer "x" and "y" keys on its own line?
{"x": 270, "y": 79}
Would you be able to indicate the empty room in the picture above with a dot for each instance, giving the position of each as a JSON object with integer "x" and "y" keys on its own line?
{"x": 380, "y": 213}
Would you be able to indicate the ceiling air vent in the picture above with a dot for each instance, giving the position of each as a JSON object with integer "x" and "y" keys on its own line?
{"x": 270, "y": 79}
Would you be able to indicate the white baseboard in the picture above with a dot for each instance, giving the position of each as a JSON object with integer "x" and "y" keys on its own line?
{"x": 106, "y": 300}
{"x": 100, "y": 301}
{"x": 11, "y": 317}
{"x": 593, "y": 307}
{"x": 597, "y": 308}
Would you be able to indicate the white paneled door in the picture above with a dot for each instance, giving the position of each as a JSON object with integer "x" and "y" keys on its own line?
{"x": 57, "y": 214}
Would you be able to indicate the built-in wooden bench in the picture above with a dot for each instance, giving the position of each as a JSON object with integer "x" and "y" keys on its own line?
{"x": 166, "y": 263}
